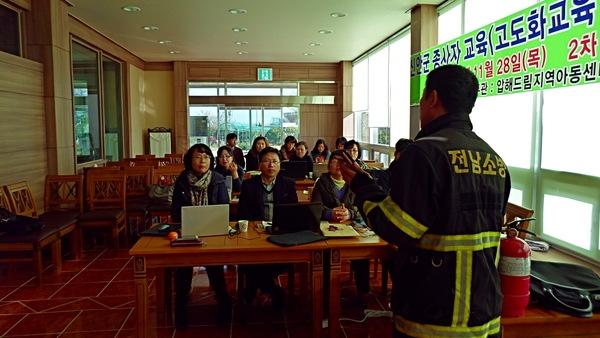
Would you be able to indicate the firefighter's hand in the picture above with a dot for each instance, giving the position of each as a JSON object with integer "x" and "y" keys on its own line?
{"x": 349, "y": 169}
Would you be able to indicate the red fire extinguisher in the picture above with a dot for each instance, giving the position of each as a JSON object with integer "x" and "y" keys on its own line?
{"x": 514, "y": 268}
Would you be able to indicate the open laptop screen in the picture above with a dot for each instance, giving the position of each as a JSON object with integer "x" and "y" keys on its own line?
{"x": 296, "y": 217}
{"x": 293, "y": 169}
{"x": 205, "y": 220}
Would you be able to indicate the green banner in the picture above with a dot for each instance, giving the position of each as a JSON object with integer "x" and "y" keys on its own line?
{"x": 549, "y": 45}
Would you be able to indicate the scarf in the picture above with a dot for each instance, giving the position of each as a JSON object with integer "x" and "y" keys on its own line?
{"x": 199, "y": 187}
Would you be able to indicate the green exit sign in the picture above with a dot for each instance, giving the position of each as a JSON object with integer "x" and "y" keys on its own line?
{"x": 265, "y": 74}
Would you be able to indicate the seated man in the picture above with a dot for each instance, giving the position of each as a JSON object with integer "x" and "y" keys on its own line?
{"x": 257, "y": 198}
{"x": 338, "y": 206}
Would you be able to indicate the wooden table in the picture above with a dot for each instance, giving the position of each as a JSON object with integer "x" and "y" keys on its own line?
{"x": 155, "y": 252}
{"x": 541, "y": 322}
{"x": 304, "y": 184}
{"x": 342, "y": 249}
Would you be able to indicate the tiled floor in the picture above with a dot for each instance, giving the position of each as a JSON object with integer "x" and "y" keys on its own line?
{"x": 94, "y": 297}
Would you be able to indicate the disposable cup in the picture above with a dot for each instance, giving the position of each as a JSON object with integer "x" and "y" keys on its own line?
{"x": 243, "y": 225}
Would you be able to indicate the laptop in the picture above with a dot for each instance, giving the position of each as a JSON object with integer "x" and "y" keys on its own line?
{"x": 288, "y": 218}
{"x": 293, "y": 169}
{"x": 205, "y": 220}
{"x": 319, "y": 169}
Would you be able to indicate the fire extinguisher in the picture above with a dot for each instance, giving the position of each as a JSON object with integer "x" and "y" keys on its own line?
{"x": 514, "y": 268}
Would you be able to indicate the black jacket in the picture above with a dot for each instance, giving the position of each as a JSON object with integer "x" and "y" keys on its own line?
{"x": 251, "y": 205}
{"x": 324, "y": 192}
{"x": 307, "y": 159}
{"x": 444, "y": 214}
{"x": 251, "y": 162}
{"x": 236, "y": 184}
{"x": 238, "y": 156}
{"x": 217, "y": 194}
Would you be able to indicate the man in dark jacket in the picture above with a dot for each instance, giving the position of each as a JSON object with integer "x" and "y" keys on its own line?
{"x": 444, "y": 213}
{"x": 258, "y": 196}
{"x": 238, "y": 155}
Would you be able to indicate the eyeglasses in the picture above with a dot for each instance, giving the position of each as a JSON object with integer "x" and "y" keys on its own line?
{"x": 274, "y": 162}
{"x": 202, "y": 158}
{"x": 353, "y": 150}
{"x": 224, "y": 157}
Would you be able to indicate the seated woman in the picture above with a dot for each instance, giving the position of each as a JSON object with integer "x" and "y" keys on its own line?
{"x": 302, "y": 155}
{"x": 226, "y": 166}
{"x": 287, "y": 149}
{"x": 339, "y": 142}
{"x": 338, "y": 206}
{"x": 355, "y": 152}
{"x": 258, "y": 144}
{"x": 320, "y": 152}
{"x": 198, "y": 184}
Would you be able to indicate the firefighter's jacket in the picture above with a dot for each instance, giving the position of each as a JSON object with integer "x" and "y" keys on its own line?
{"x": 444, "y": 213}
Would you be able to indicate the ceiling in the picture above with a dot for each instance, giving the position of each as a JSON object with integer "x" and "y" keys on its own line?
{"x": 277, "y": 30}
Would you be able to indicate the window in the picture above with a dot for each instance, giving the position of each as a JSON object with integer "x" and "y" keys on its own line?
{"x": 97, "y": 109}
{"x": 569, "y": 109}
{"x": 381, "y": 96}
{"x": 10, "y": 30}
{"x": 210, "y": 124}
{"x": 450, "y": 22}
{"x": 113, "y": 114}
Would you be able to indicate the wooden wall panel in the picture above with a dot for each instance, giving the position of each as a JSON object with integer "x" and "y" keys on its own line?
{"x": 22, "y": 131}
{"x": 328, "y": 89}
{"x": 247, "y": 71}
{"x": 309, "y": 89}
{"x": 18, "y": 75}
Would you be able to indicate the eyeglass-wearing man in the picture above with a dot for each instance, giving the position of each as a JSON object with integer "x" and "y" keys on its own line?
{"x": 257, "y": 198}
{"x": 444, "y": 213}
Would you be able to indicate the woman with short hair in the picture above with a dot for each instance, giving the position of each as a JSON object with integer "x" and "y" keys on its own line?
{"x": 353, "y": 148}
{"x": 302, "y": 155}
{"x": 198, "y": 184}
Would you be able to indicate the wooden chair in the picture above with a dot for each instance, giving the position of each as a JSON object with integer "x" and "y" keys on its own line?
{"x": 514, "y": 212}
{"x": 106, "y": 205}
{"x": 138, "y": 180}
{"x": 63, "y": 203}
{"x": 374, "y": 164}
{"x": 161, "y": 212}
{"x": 29, "y": 243}
{"x": 174, "y": 158}
{"x": 145, "y": 156}
{"x": 154, "y": 162}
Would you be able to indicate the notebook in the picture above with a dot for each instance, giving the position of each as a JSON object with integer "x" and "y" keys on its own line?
{"x": 205, "y": 220}
{"x": 295, "y": 217}
{"x": 337, "y": 230}
{"x": 293, "y": 169}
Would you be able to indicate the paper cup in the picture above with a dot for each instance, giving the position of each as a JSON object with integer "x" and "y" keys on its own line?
{"x": 243, "y": 224}
{"x": 310, "y": 174}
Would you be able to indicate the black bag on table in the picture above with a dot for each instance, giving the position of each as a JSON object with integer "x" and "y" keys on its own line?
{"x": 567, "y": 288}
